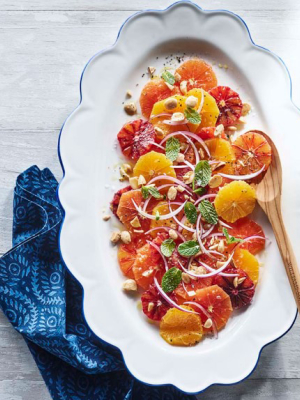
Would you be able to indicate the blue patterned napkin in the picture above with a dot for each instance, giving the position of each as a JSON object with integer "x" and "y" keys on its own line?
{"x": 44, "y": 303}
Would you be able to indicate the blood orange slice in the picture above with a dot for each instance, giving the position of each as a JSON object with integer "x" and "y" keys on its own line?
{"x": 127, "y": 255}
{"x": 136, "y": 138}
{"x": 209, "y": 133}
{"x": 186, "y": 291}
{"x": 154, "y": 305}
{"x": 246, "y": 227}
{"x": 252, "y": 152}
{"x": 148, "y": 264}
{"x": 241, "y": 288}
{"x": 127, "y": 212}
{"x": 217, "y": 303}
{"x": 229, "y": 103}
{"x": 154, "y": 91}
{"x": 116, "y": 199}
{"x": 198, "y": 74}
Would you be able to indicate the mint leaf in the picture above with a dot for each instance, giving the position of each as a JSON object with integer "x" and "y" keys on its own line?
{"x": 172, "y": 148}
{"x": 171, "y": 279}
{"x": 168, "y": 77}
{"x": 202, "y": 174}
{"x": 150, "y": 190}
{"x": 189, "y": 248}
{"x": 192, "y": 116}
{"x": 230, "y": 239}
{"x": 167, "y": 247}
{"x": 200, "y": 190}
{"x": 190, "y": 212}
{"x": 208, "y": 212}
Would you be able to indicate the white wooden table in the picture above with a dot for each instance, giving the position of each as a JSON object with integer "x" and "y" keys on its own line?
{"x": 44, "y": 46}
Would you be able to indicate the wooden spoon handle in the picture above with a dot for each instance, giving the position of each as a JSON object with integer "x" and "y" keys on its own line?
{"x": 287, "y": 253}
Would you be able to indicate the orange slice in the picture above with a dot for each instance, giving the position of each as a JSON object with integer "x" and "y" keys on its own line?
{"x": 221, "y": 150}
{"x": 153, "y": 164}
{"x": 209, "y": 112}
{"x": 154, "y": 90}
{"x": 246, "y": 261}
{"x": 180, "y": 328}
{"x": 198, "y": 74}
{"x": 147, "y": 265}
{"x": 162, "y": 209}
{"x": 235, "y": 200}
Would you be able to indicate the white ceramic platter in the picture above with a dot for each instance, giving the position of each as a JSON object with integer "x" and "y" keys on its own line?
{"x": 89, "y": 157}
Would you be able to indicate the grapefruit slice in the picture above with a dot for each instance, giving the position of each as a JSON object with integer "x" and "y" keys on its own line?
{"x": 136, "y": 138}
{"x": 217, "y": 303}
{"x": 153, "y": 164}
{"x": 180, "y": 328}
{"x": 229, "y": 103}
{"x": 252, "y": 152}
{"x": 198, "y": 74}
{"x": 235, "y": 200}
{"x": 241, "y": 289}
{"x": 154, "y": 90}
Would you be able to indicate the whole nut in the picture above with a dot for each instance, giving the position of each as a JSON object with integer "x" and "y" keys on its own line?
{"x": 191, "y": 101}
{"x": 178, "y": 117}
{"x": 160, "y": 134}
{"x": 185, "y": 277}
{"x": 215, "y": 181}
{"x": 180, "y": 158}
{"x": 130, "y": 108}
{"x": 188, "y": 177}
{"x": 172, "y": 193}
{"x": 171, "y": 103}
{"x": 125, "y": 237}
{"x": 246, "y": 109}
{"x": 134, "y": 182}
{"x": 183, "y": 87}
{"x": 173, "y": 234}
{"x": 219, "y": 130}
{"x": 115, "y": 237}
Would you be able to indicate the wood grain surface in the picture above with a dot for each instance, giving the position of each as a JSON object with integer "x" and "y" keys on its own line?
{"x": 44, "y": 46}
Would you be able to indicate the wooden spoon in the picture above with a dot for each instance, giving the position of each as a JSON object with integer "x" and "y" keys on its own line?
{"x": 268, "y": 193}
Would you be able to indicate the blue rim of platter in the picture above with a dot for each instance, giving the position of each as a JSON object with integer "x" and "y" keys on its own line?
{"x": 63, "y": 169}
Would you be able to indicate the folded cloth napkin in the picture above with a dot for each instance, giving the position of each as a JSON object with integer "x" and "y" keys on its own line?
{"x": 43, "y": 302}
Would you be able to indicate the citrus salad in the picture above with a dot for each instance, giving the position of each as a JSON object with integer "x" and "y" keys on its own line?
{"x": 188, "y": 241}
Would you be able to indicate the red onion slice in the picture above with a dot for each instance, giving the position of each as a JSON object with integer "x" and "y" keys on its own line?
{"x": 206, "y": 196}
{"x": 175, "y": 123}
{"x": 215, "y": 272}
{"x": 160, "y": 115}
{"x": 206, "y": 313}
{"x": 201, "y": 102}
{"x": 206, "y": 233}
{"x": 180, "y": 223}
{"x": 242, "y": 177}
{"x": 158, "y": 145}
{"x": 212, "y": 270}
{"x": 225, "y": 225}
{"x": 158, "y": 249}
{"x": 170, "y": 301}
{"x": 170, "y": 178}
{"x": 162, "y": 217}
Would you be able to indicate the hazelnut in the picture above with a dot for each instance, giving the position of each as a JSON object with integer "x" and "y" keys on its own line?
{"x": 130, "y": 108}
{"x": 134, "y": 182}
{"x": 135, "y": 223}
{"x": 219, "y": 130}
{"x": 141, "y": 180}
{"x": 130, "y": 285}
{"x": 172, "y": 193}
{"x": 115, "y": 237}
{"x": 185, "y": 277}
{"x": 178, "y": 117}
{"x": 129, "y": 94}
{"x": 188, "y": 177}
{"x": 180, "y": 158}
{"x": 246, "y": 109}
{"x": 191, "y": 101}
{"x": 171, "y": 103}
{"x": 173, "y": 234}
{"x": 215, "y": 181}
{"x": 159, "y": 132}
{"x": 180, "y": 188}
{"x": 183, "y": 87}
{"x": 125, "y": 237}
{"x": 106, "y": 217}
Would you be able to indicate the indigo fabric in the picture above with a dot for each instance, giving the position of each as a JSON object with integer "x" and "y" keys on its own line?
{"x": 43, "y": 302}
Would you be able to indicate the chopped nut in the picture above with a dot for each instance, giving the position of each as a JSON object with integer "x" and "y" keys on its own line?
{"x": 241, "y": 280}
{"x": 180, "y": 188}
{"x": 246, "y": 109}
{"x": 218, "y": 165}
{"x": 170, "y": 103}
{"x": 135, "y": 222}
{"x": 130, "y": 108}
{"x": 159, "y": 132}
{"x": 236, "y": 282}
{"x": 147, "y": 273}
{"x": 231, "y": 128}
{"x": 220, "y": 65}
{"x": 130, "y": 285}
{"x": 242, "y": 120}
{"x": 173, "y": 226}
{"x": 191, "y": 199}
{"x": 225, "y": 66}
{"x": 177, "y": 77}
{"x": 106, "y": 217}
{"x": 185, "y": 277}
{"x": 201, "y": 153}
{"x": 219, "y": 264}
{"x": 171, "y": 87}
{"x": 129, "y": 94}
{"x": 150, "y": 306}
{"x": 215, "y": 181}
{"x": 208, "y": 323}
{"x": 183, "y": 146}
{"x": 183, "y": 87}
{"x": 115, "y": 237}
{"x": 138, "y": 231}
{"x": 198, "y": 270}
{"x": 125, "y": 237}
{"x": 194, "y": 237}
{"x": 186, "y": 197}
{"x": 188, "y": 177}
{"x": 127, "y": 168}
{"x": 172, "y": 193}
{"x": 173, "y": 234}
{"x": 134, "y": 182}
{"x": 191, "y": 101}
{"x": 219, "y": 130}
{"x": 180, "y": 158}
{"x": 178, "y": 117}
{"x": 191, "y": 293}
{"x": 141, "y": 180}
{"x": 221, "y": 246}
{"x": 123, "y": 174}
{"x": 151, "y": 70}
